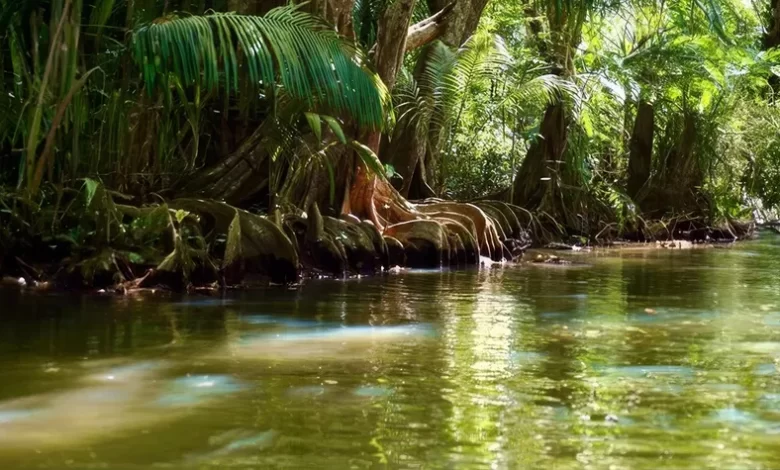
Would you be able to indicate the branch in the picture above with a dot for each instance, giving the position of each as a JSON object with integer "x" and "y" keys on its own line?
{"x": 429, "y": 29}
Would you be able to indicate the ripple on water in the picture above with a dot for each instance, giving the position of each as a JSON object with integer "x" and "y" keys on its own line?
{"x": 306, "y": 391}
{"x": 525, "y": 357}
{"x": 641, "y": 371}
{"x": 15, "y": 415}
{"x": 765, "y": 369}
{"x": 744, "y": 420}
{"x": 349, "y": 332}
{"x": 193, "y": 390}
{"x": 770, "y": 401}
{"x": 283, "y": 321}
{"x": 662, "y": 315}
{"x": 372, "y": 391}
{"x": 557, "y": 316}
{"x": 733, "y": 416}
{"x": 772, "y": 319}
{"x": 203, "y": 302}
{"x": 129, "y": 372}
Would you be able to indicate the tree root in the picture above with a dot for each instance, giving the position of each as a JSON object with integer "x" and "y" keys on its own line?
{"x": 492, "y": 230}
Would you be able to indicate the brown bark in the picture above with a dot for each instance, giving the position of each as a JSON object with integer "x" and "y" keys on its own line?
{"x": 680, "y": 171}
{"x": 407, "y": 147}
{"x": 377, "y": 199}
{"x": 463, "y": 20}
{"x": 336, "y": 12}
{"x": 391, "y": 40}
{"x": 677, "y": 188}
{"x": 640, "y": 158}
{"x": 367, "y": 190}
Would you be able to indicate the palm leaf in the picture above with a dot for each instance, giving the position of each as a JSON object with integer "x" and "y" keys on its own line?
{"x": 286, "y": 48}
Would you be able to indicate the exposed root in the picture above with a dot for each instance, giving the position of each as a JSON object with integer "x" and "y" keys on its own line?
{"x": 494, "y": 229}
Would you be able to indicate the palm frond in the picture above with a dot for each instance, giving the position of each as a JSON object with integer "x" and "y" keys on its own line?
{"x": 482, "y": 59}
{"x": 539, "y": 91}
{"x": 287, "y": 47}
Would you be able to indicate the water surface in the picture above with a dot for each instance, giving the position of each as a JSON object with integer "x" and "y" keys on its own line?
{"x": 639, "y": 360}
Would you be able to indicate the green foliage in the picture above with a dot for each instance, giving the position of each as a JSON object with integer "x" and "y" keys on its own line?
{"x": 287, "y": 48}
{"x": 466, "y": 102}
{"x": 78, "y": 132}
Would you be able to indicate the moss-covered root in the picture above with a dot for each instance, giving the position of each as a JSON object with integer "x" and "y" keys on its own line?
{"x": 426, "y": 242}
{"x": 254, "y": 243}
{"x": 337, "y": 247}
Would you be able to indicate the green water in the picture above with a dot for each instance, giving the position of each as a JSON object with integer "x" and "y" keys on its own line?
{"x": 509, "y": 367}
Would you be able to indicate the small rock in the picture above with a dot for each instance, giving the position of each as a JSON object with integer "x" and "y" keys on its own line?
{"x": 42, "y": 286}
{"x": 650, "y": 311}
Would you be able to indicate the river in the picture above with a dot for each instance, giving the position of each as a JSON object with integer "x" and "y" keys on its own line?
{"x": 636, "y": 359}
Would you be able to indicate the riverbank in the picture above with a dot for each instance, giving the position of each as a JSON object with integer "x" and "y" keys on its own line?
{"x": 350, "y": 248}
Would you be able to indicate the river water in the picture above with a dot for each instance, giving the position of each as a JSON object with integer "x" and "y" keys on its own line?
{"x": 633, "y": 360}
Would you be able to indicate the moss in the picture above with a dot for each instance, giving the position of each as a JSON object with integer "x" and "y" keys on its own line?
{"x": 380, "y": 247}
{"x": 261, "y": 243}
{"x": 359, "y": 249}
{"x": 425, "y": 242}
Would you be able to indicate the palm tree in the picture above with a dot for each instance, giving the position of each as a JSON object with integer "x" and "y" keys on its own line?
{"x": 549, "y": 178}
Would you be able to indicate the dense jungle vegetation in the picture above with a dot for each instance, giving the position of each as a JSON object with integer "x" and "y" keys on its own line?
{"x": 178, "y": 141}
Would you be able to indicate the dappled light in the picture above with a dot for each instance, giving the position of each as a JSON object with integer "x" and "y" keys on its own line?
{"x": 635, "y": 359}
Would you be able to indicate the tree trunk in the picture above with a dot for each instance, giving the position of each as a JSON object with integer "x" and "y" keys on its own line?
{"x": 772, "y": 33}
{"x": 391, "y": 40}
{"x": 428, "y": 29}
{"x": 388, "y": 57}
{"x": 463, "y": 20}
{"x": 420, "y": 188}
{"x": 540, "y": 170}
{"x": 336, "y": 12}
{"x": 640, "y": 158}
{"x": 408, "y": 147}
{"x": 404, "y": 153}
{"x": 680, "y": 170}
{"x": 539, "y": 176}
{"x": 677, "y": 186}
{"x": 772, "y": 36}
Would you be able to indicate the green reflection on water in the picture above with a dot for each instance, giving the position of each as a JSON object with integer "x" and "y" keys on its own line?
{"x": 640, "y": 360}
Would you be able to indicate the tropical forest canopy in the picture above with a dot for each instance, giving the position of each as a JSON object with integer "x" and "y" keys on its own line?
{"x": 593, "y": 116}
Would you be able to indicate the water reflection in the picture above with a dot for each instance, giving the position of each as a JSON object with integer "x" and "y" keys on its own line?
{"x": 644, "y": 359}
